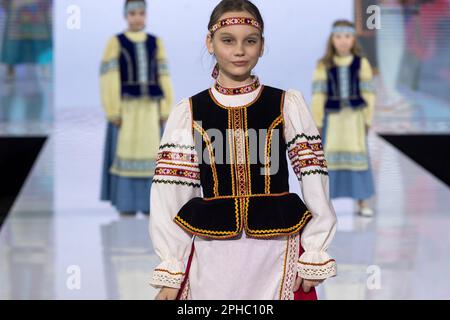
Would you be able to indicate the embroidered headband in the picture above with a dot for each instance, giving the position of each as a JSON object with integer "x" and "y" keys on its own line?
{"x": 235, "y": 21}
{"x": 136, "y": 5}
{"x": 343, "y": 29}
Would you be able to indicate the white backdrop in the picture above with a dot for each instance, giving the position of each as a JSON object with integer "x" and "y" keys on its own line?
{"x": 296, "y": 33}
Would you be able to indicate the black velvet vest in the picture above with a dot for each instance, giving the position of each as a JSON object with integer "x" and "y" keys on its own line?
{"x": 243, "y": 171}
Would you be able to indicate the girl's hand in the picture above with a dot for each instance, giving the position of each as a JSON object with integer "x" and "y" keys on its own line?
{"x": 306, "y": 284}
{"x": 167, "y": 293}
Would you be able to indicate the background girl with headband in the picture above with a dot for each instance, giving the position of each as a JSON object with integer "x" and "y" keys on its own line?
{"x": 342, "y": 105}
{"x": 137, "y": 94}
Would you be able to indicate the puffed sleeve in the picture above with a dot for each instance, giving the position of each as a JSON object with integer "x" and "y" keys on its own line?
{"x": 164, "y": 80}
{"x": 307, "y": 159}
{"x": 110, "y": 80}
{"x": 367, "y": 90}
{"x": 176, "y": 181}
{"x": 319, "y": 94}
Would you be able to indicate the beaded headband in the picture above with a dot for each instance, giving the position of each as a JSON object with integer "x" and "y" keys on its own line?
{"x": 343, "y": 29}
{"x": 235, "y": 21}
{"x": 141, "y": 5}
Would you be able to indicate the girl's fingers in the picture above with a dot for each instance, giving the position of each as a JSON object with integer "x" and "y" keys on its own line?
{"x": 297, "y": 284}
{"x": 160, "y": 297}
{"x": 306, "y": 286}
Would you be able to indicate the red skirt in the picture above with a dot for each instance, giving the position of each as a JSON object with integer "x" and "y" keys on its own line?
{"x": 299, "y": 294}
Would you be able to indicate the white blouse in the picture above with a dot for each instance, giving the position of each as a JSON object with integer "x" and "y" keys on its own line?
{"x": 177, "y": 180}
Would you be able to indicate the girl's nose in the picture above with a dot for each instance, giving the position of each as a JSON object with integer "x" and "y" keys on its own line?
{"x": 240, "y": 50}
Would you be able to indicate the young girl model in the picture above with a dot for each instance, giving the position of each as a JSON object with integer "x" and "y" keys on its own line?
{"x": 342, "y": 105}
{"x": 243, "y": 232}
{"x": 136, "y": 94}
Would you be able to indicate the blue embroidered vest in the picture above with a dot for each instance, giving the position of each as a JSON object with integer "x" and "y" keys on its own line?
{"x": 139, "y": 68}
{"x": 344, "y": 80}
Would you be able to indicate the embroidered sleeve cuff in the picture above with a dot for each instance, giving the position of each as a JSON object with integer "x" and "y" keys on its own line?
{"x": 168, "y": 274}
{"x": 316, "y": 266}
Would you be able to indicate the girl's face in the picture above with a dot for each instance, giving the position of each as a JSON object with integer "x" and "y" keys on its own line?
{"x": 136, "y": 19}
{"x": 343, "y": 42}
{"x": 237, "y": 48}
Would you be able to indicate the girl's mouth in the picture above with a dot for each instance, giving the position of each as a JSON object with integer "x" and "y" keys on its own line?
{"x": 240, "y": 63}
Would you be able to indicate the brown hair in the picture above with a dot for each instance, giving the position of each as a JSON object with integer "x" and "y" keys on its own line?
{"x": 235, "y": 5}
{"x": 327, "y": 59}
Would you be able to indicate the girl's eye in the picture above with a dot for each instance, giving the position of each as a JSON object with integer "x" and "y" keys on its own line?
{"x": 227, "y": 40}
{"x": 251, "y": 41}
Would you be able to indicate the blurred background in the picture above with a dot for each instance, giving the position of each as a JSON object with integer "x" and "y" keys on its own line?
{"x": 52, "y": 130}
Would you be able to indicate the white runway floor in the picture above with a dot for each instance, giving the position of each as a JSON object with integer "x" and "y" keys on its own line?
{"x": 58, "y": 229}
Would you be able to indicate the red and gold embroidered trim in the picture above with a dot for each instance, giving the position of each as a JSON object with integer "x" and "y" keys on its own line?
{"x": 235, "y": 21}
{"x": 240, "y": 162}
{"x": 232, "y": 152}
{"x": 239, "y": 131}
{"x": 302, "y": 146}
{"x": 177, "y": 156}
{"x": 313, "y": 162}
{"x": 236, "y": 107}
{"x": 247, "y": 152}
{"x": 299, "y": 153}
{"x": 248, "y": 196}
{"x": 174, "y": 172}
{"x": 240, "y": 90}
